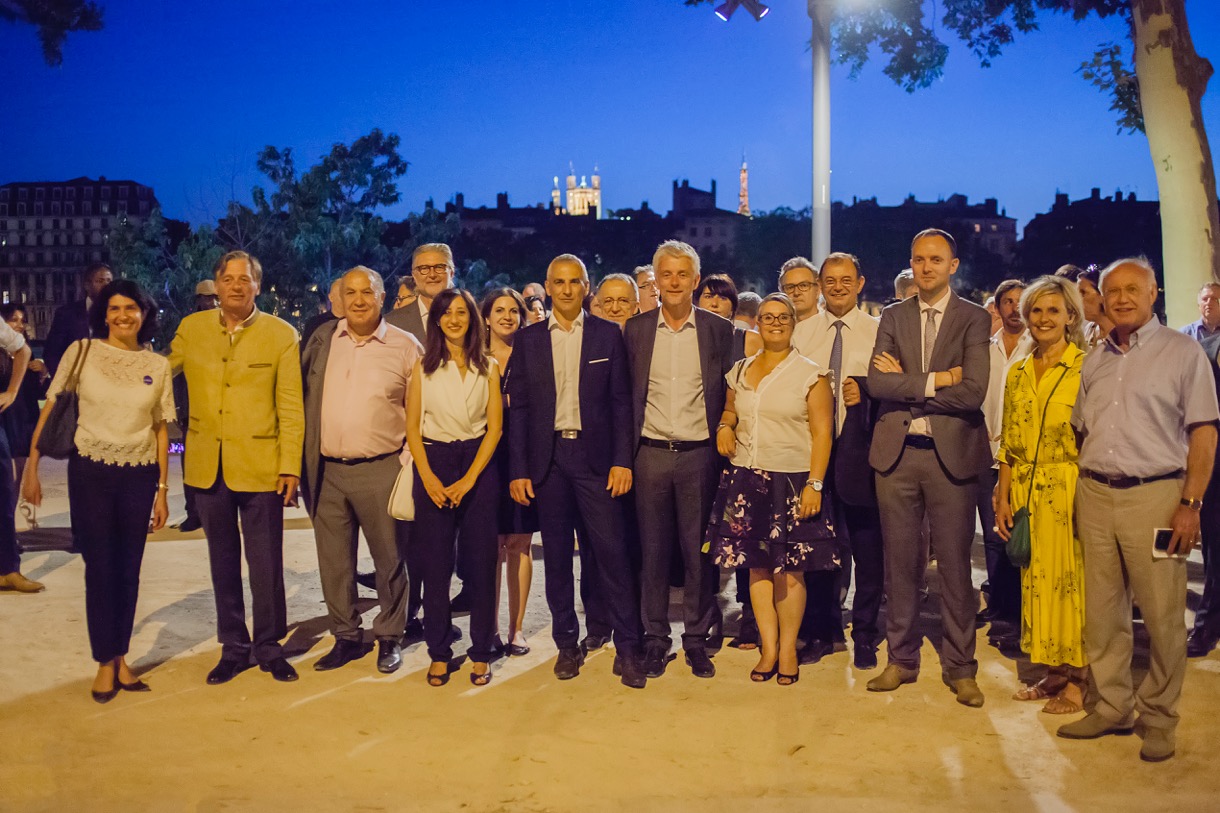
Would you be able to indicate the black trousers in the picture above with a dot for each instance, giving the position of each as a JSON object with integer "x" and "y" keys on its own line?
{"x": 868, "y": 557}
{"x": 1003, "y": 578}
{"x": 409, "y": 554}
{"x": 475, "y": 525}
{"x": 10, "y": 558}
{"x": 261, "y": 516}
{"x": 674, "y": 493}
{"x": 1207, "y": 617}
{"x": 118, "y": 502}
{"x": 573, "y": 494}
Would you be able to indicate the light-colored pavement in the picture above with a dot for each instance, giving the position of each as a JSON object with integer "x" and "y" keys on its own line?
{"x": 356, "y": 740}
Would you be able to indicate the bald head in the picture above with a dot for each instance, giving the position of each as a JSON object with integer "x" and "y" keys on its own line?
{"x": 363, "y": 294}
{"x": 1128, "y": 288}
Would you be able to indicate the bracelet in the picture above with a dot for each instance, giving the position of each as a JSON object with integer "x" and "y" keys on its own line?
{"x": 163, "y": 486}
{"x": 720, "y": 426}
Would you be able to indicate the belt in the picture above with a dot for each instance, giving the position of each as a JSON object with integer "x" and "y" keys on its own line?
{"x": 567, "y": 434}
{"x": 1130, "y": 482}
{"x": 352, "y": 461}
{"x": 920, "y": 442}
{"x": 675, "y": 445}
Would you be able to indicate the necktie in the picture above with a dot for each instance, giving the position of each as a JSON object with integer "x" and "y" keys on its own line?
{"x": 836, "y": 369}
{"x": 929, "y": 339}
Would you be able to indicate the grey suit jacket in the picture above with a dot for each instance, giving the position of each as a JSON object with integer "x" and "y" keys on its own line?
{"x": 408, "y": 319}
{"x": 715, "y": 358}
{"x": 313, "y": 375}
{"x": 955, "y": 412}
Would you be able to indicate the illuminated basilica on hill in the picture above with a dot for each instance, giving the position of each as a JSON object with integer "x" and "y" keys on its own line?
{"x": 583, "y": 198}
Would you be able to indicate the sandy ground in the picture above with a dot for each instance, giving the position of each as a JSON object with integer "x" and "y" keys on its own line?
{"x": 356, "y": 740}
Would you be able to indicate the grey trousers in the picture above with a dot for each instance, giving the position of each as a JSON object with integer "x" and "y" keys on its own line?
{"x": 1115, "y": 528}
{"x": 674, "y": 492}
{"x": 353, "y": 498}
{"x": 917, "y": 484}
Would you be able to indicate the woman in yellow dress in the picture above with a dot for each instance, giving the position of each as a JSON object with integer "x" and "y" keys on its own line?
{"x": 1038, "y": 400}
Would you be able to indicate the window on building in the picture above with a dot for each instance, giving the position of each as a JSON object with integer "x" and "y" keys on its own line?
{"x": 71, "y": 193}
{"x": 20, "y": 208}
{"x": 55, "y": 207}
{"x": 707, "y": 231}
{"x": 105, "y": 207}
{"x": 38, "y": 208}
{"x": 3, "y": 208}
{"x": 105, "y": 193}
{"x": 23, "y": 194}
{"x": 69, "y": 208}
{"x": 86, "y": 208}
{"x": 977, "y": 228}
{"x": 57, "y": 193}
{"x": 122, "y": 204}
{"x": 994, "y": 227}
{"x": 142, "y": 192}
{"x": 40, "y": 194}
{"x": 4, "y": 194}
{"x": 88, "y": 193}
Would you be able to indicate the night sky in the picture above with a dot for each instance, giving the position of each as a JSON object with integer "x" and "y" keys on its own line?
{"x": 491, "y": 97}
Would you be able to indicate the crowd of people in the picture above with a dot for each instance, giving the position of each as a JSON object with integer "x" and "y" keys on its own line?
{"x": 664, "y": 427}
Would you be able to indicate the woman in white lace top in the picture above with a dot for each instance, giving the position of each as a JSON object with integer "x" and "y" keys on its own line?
{"x": 117, "y": 476}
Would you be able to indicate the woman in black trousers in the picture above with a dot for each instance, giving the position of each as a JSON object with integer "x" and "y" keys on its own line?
{"x": 117, "y": 475}
{"x": 454, "y": 419}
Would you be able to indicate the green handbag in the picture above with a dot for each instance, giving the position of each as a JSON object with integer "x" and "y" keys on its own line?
{"x": 1019, "y": 538}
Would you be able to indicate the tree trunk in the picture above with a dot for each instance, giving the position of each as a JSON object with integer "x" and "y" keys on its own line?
{"x": 1172, "y": 78}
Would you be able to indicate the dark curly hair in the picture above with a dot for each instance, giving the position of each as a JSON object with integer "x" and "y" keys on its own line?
{"x": 129, "y": 289}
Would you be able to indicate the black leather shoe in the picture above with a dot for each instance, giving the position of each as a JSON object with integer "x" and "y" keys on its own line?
{"x": 592, "y": 642}
{"x": 700, "y": 664}
{"x": 655, "y": 660}
{"x": 137, "y": 686}
{"x": 368, "y": 580}
{"x": 567, "y": 665}
{"x": 630, "y": 671}
{"x": 414, "y": 632}
{"x": 342, "y": 653}
{"x": 280, "y": 669}
{"x": 814, "y": 651}
{"x": 1199, "y": 644}
{"x": 226, "y": 670}
{"x": 389, "y": 656}
{"x": 865, "y": 657}
{"x": 189, "y": 524}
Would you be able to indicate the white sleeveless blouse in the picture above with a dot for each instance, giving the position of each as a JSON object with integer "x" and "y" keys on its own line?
{"x": 455, "y": 408}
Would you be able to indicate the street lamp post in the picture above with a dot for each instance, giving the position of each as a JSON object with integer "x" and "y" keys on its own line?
{"x": 819, "y": 44}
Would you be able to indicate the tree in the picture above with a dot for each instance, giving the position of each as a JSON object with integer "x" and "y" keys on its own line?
{"x": 1156, "y": 82}
{"x": 54, "y": 19}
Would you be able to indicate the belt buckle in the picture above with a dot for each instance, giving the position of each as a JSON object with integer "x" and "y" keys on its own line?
{"x": 672, "y": 445}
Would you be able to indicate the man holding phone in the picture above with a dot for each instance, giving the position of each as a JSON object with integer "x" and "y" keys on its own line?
{"x": 1146, "y": 423}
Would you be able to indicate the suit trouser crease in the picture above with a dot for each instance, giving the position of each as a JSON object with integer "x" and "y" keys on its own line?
{"x": 253, "y": 520}
{"x": 918, "y": 482}
{"x": 118, "y": 500}
{"x": 473, "y": 525}
{"x": 674, "y": 494}
{"x": 573, "y": 493}
{"x": 354, "y": 498}
{"x": 1115, "y": 528}
{"x": 1003, "y": 577}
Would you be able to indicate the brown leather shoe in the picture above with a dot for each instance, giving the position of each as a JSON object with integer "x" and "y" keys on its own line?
{"x": 15, "y": 581}
{"x": 891, "y": 678}
{"x": 967, "y": 691}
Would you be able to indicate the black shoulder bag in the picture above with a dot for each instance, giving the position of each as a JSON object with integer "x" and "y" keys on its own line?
{"x": 58, "y": 438}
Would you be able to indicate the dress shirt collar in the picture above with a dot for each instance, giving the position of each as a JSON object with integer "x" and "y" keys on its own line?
{"x": 1139, "y": 337}
{"x": 938, "y": 306}
{"x": 664, "y": 325}
{"x": 997, "y": 339}
{"x": 577, "y": 324}
{"x": 849, "y": 319}
{"x": 378, "y": 334}
{"x": 245, "y": 323}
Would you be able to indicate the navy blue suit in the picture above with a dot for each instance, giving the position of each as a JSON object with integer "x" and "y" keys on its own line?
{"x": 569, "y": 476}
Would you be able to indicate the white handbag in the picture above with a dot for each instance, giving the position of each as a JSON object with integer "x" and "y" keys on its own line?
{"x": 402, "y": 497}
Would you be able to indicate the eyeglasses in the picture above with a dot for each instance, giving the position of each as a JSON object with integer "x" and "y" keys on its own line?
{"x": 777, "y": 318}
{"x": 618, "y": 303}
{"x": 431, "y": 270}
{"x": 798, "y": 287}
{"x": 398, "y": 300}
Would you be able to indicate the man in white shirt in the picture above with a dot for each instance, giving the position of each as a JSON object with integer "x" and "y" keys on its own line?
{"x": 798, "y": 280}
{"x": 1010, "y": 344}
{"x": 840, "y": 339}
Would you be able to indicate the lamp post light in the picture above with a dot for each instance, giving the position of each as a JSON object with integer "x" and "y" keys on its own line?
{"x": 819, "y": 44}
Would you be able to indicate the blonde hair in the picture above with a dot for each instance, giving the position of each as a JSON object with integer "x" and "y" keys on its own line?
{"x": 1044, "y": 286}
{"x": 676, "y": 248}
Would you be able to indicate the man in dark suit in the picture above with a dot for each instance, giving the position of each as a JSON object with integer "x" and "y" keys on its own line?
{"x": 71, "y": 322}
{"x": 678, "y": 356}
{"x": 570, "y": 447}
{"x": 929, "y": 375}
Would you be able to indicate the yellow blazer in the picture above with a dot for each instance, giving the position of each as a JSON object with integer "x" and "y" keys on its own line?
{"x": 245, "y": 400}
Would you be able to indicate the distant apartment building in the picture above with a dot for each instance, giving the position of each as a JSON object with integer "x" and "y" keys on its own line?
{"x": 700, "y": 223}
{"x": 1093, "y": 230}
{"x": 50, "y": 230}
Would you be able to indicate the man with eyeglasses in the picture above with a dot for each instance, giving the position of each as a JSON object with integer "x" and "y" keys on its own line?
{"x": 619, "y": 298}
{"x": 406, "y": 293}
{"x": 432, "y": 271}
{"x": 646, "y": 284}
{"x": 798, "y": 279}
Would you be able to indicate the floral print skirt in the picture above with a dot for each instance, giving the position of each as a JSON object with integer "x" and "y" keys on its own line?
{"x": 754, "y": 525}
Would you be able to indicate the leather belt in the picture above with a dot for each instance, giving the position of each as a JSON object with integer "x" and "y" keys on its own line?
{"x": 675, "y": 445}
{"x": 568, "y": 434}
{"x": 919, "y": 442}
{"x": 353, "y": 461}
{"x": 1130, "y": 482}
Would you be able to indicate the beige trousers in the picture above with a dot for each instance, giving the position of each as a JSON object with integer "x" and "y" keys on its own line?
{"x": 1115, "y": 528}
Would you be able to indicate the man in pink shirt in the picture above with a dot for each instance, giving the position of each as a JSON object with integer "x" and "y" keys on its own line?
{"x": 355, "y": 373}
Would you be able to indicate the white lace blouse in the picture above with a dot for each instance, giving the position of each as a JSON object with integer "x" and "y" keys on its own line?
{"x": 123, "y": 394}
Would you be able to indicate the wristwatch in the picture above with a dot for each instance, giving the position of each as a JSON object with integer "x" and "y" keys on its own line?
{"x": 1194, "y": 505}
{"x": 814, "y": 483}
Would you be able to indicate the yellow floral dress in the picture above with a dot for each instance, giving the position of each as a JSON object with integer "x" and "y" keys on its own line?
{"x": 1052, "y": 587}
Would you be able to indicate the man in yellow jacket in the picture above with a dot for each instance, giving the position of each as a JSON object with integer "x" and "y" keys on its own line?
{"x": 245, "y": 432}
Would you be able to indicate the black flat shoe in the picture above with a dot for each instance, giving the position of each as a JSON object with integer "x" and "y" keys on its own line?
{"x": 138, "y": 686}
{"x": 105, "y": 697}
{"x": 513, "y": 650}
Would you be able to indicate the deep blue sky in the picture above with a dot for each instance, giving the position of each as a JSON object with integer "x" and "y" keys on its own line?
{"x": 492, "y": 97}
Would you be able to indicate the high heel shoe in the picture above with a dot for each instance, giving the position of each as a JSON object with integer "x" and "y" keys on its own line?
{"x": 762, "y": 677}
{"x": 788, "y": 680}
{"x": 436, "y": 680}
{"x": 481, "y": 678}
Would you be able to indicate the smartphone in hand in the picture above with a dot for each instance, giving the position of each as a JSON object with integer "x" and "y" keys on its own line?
{"x": 1160, "y": 544}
